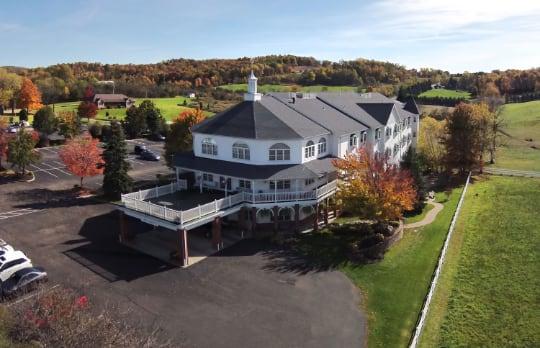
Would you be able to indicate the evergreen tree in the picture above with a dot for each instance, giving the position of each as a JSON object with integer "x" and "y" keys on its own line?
{"x": 412, "y": 162}
{"x": 116, "y": 179}
{"x": 152, "y": 115}
{"x": 23, "y": 115}
{"x": 135, "y": 122}
{"x": 45, "y": 120}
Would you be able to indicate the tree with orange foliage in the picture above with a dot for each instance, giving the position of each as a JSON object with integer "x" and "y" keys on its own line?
{"x": 372, "y": 188}
{"x": 82, "y": 157}
{"x": 29, "y": 95}
{"x": 4, "y": 141}
{"x": 180, "y": 138}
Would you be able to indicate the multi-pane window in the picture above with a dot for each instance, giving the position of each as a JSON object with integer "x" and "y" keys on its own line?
{"x": 245, "y": 184}
{"x": 321, "y": 146}
{"x": 280, "y": 185}
{"x": 279, "y": 152}
{"x": 209, "y": 147}
{"x": 388, "y": 132}
{"x": 207, "y": 177}
{"x": 240, "y": 151}
{"x": 414, "y": 134}
{"x": 353, "y": 140}
{"x": 363, "y": 137}
{"x": 377, "y": 134}
{"x": 409, "y": 121}
{"x": 309, "y": 150}
{"x": 414, "y": 119}
{"x": 309, "y": 181}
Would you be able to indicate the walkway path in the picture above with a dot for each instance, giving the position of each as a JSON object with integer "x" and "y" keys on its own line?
{"x": 430, "y": 216}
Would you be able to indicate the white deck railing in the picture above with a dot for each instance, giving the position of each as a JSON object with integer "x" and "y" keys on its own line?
{"x": 135, "y": 201}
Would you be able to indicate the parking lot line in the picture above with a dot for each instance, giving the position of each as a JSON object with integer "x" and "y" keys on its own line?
{"x": 32, "y": 295}
{"x": 43, "y": 170}
{"x": 15, "y": 213}
{"x": 56, "y": 168}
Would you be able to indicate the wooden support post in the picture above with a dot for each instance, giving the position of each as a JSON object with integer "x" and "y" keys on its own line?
{"x": 297, "y": 218}
{"x": 242, "y": 220}
{"x": 276, "y": 221}
{"x": 253, "y": 221}
{"x": 217, "y": 241}
{"x": 326, "y": 212}
{"x": 316, "y": 218}
{"x": 183, "y": 247}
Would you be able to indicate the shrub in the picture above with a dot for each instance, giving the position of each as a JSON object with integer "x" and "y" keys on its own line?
{"x": 95, "y": 130}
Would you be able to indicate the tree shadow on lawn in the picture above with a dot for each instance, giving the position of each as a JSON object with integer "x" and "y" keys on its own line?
{"x": 104, "y": 255}
{"x": 312, "y": 252}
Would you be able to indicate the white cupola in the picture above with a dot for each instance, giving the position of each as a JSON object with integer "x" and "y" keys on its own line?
{"x": 252, "y": 94}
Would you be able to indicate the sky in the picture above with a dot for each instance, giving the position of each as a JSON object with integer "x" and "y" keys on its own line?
{"x": 457, "y": 35}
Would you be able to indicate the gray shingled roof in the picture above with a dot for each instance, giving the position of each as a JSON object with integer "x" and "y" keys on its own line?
{"x": 111, "y": 98}
{"x": 264, "y": 119}
{"x": 313, "y": 169}
{"x": 379, "y": 111}
{"x": 321, "y": 113}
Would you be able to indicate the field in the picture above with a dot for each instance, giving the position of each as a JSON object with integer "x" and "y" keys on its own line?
{"x": 488, "y": 290}
{"x": 242, "y": 87}
{"x": 445, "y": 93}
{"x": 170, "y": 108}
{"x": 522, "y": 124}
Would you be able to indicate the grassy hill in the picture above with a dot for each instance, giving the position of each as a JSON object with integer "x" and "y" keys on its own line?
{"x": 488, "y": 291}
{"x": 445, "y": 93}
{"x": 521, "y": 146}
{"x": 242, "y": 87}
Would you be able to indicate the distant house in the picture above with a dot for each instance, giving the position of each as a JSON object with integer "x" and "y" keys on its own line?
{"x": 191, "y": 95}
{"x": 105, "y": 101}
{"x": 437, "y": 85}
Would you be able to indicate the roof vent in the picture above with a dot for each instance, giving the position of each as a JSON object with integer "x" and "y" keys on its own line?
{"x": 306, "y": 95}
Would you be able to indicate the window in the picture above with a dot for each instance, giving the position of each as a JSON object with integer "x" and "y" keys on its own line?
{"x": 279, "y": 152}
{"x": 388, "y": 152}
{"x": 281, "y": 185}
{"x": 309, "y": 181}
{"x": 321, "y": 146}
{"x": 363, "y": 137}
{"x": 396, "y": 149}
{"x": 284, "y": 214}
{"x": 240, "y": 151}
{"x": 209, "y": 147}
{"x": 309, "y": 150}
{"x": 414, "y": 119}
{"x": 353, "y": 140}
{"x": 409, "y": 121}
{"x": 12, "y": 263}
{"x": 388, "y": 132}
{"x": 414, "y": 134}
{"x": 207, "y": 177}
{"x": 377, "y": 134}
{"x": 245, "y": 184}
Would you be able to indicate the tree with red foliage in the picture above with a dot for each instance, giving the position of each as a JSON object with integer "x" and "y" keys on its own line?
{"x": 87, "y": 109}
{"x": 373, "y": 188}
{"x": 82, "y": 157}
{"x": 89, "y": 94}
{"x": 4, "y": 141}
{"x": 180, "y": 138}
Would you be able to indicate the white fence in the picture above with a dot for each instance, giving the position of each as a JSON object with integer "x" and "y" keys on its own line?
{"x": 136, "y": 201}
{"x": 442, "y": 256}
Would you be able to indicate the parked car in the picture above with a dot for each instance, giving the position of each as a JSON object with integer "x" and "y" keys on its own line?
{"x": 5, "y": 247}
{"x": 23, "y": 280}
{"x": 157, "y": 137}
{"x": 149, "y": 156}
{"x": 11, "y": 262}
{"x": 139, "y": 149}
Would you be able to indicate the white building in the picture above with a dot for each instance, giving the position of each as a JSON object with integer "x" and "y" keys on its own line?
{"x": 271, "y": 155}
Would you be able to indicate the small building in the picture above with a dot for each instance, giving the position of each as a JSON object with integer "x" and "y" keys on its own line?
{"x": 191, "y": 95}
{"x": 108, "y": 101}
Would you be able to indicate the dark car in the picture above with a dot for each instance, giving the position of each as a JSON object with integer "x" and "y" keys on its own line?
{"x": 157, "y": 137}
{"x": 139, "y": 149}
{"x": 149, "y": 156}
{"x": 23, "y": 281}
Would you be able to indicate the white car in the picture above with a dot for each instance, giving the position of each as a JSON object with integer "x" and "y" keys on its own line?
{"x": 11, "y": 262}
{"x": 5, "y": 247}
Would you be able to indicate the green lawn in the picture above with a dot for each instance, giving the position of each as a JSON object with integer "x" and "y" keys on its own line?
{"x": 242, "y": 87}
{"x": 393, "y": 289}
{"x": 170, "y": 108}
{"x": 522, "y": 122}
{"x": 489, "y": 286}
{"x": 445, "y": 93}
{"x": 411, "y": 218}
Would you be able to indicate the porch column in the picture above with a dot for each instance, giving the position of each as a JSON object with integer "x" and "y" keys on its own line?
{"x": 253, "y": 221}
{"x": 217, "y": 241}
{"x": 123, "y": 232}
{"x": 326, "y": 212}
{"x": 297, "y": 218}
{"x": 276, "y": 211}
{"x": 200, "y": 183}
{"x": 183, "y": 247}
{"x": 316, "y": 218}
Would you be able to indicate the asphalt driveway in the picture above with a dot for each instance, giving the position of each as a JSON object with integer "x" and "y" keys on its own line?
{"x": 250, "y": 295}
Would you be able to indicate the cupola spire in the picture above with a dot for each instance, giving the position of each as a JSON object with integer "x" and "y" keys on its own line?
{"x": 252, "y": 94}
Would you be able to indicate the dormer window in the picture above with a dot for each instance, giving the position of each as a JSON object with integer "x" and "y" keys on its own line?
{"x": 309, "y": 150}
{"x": 279, "y": 152}
{"x": 240, "y": 151}
{"x": 321, "y": 146}
{"x": 353, "y": 140}
{"x": 209, "y": 147}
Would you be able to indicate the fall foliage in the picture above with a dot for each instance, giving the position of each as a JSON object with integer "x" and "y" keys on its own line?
{"x": 431, "y": 143}
{"x": 29, "y": 95}
{"x": 4, "y": 141}
{"x": 87, "y": 110}
{"x": 180, "y": 138}
{"x": 373, "y": 188}
{"x": 82, "y": 157}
